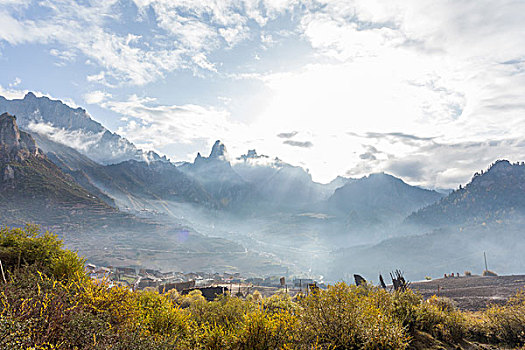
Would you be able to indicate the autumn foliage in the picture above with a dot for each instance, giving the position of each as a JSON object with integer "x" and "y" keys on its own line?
{"x": 48, "y": 303}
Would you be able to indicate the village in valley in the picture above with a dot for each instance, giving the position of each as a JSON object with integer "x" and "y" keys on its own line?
{"x": 468, "y": 291}
{"x": 209, "y": 284}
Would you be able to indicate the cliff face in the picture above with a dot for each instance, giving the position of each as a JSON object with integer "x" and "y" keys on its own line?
{"x": 33, "y": 189}
{"x": 15, "y": 144}
{"x": 9, "y": 133}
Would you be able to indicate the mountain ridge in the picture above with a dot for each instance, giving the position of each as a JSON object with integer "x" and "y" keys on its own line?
{"x": 62, "y": 122}
{"x": 490, "y": 195}
{"x": 379, "y": 198}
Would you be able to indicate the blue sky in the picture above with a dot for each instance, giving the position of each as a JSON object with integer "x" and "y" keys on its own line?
{"x": 431, "y": 91}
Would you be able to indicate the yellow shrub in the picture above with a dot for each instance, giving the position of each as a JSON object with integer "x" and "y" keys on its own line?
{"x": 503, "y": 324}
{"x": 347, "y": 317}
{"x": 262, "y": 330}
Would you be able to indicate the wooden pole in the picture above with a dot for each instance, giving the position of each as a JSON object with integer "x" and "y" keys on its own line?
{"x": 2, "y": 268}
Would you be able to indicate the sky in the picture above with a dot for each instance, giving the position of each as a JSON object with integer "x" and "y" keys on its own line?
{"x": 430, "y": 91}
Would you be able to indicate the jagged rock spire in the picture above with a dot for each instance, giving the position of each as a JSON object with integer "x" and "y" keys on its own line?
{"x": 13, "y": 142}
{"x": 9, "y": 133}
{"x": 218, "y": 151}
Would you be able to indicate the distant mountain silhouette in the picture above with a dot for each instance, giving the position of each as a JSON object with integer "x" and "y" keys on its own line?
{"x": 338, "y": 182}
{"x": 155, "y": 180}
{"x": 487, "y": 215}
{"x": 279, "y": 184}
{"x": 217, "y": 176}
{"x": 74, "y": 127}
{"x": 492, "y": 195}
{"x": 378, "y": 199}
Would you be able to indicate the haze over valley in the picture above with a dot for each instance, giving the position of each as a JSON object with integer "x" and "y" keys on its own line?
{"x": 299, "y": 138}
{"x": 119, "y": 205}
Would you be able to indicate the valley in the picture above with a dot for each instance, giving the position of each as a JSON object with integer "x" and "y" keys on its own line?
{"x": 251, "y": 214}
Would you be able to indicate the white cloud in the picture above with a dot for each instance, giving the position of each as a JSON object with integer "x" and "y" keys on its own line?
{"x": 75, "y": 139}
{"x": 64, "y": 57}
{"x": 201, "y": 61}
{"x": 425, "y": 68}
{"x": 427, "y": 161}
{"x": 11, "y": 93}
{"x": 234, "y": 35}
{"x": 185, "y": 33}
{"x": 164, "y": 127}
{"x": 96, "y": 97}
{"x": 15, "y": 83}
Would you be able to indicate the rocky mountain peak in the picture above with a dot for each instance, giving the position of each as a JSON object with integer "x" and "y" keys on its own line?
{"x": 15, "y": 144}
{"x": 9, "y": 133}
{"x": 218, "y": 151}
{"x": 252, "y": 154}
{"x": 500, "y": 166}
{"x": 30, "y": 96}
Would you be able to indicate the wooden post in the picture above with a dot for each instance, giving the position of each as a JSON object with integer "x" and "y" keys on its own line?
{"x": 2, "y": 268}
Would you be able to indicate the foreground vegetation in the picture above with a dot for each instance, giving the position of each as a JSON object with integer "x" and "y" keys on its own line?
{"x": 46, "y": 302}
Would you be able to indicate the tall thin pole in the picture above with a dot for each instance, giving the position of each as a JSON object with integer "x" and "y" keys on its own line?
{"x": 2, "y": 268}
{"x": 485, "y": 256}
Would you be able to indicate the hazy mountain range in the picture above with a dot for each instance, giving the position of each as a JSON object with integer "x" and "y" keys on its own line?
{"x": 63, "y": 197}
{"x": 257, "y": 215}
{"x": 73, "y": 127}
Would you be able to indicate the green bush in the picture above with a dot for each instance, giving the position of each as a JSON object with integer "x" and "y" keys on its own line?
{"x": 28, "y": 246}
